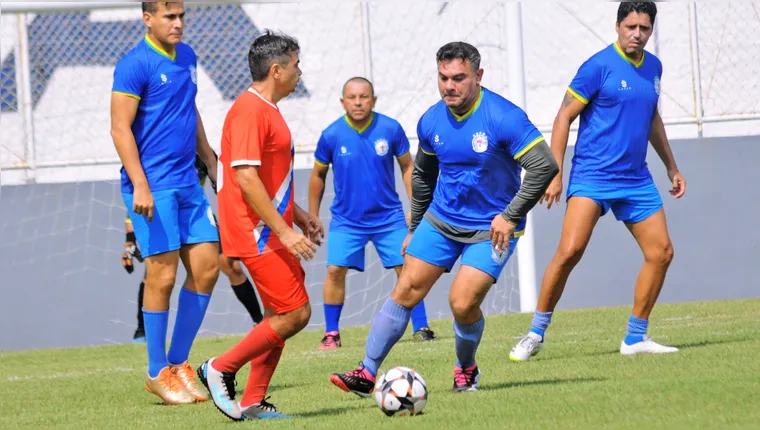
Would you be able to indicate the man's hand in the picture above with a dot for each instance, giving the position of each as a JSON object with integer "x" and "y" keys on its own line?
{"x": 142, "y": 203}
{"x": 553, "y": 192}
{"x": 405, "y": 243}
{"x": 298, "y": 245}
{"x": 408, "y": 219}
{"x": 501, "y": 231}
{"x": 131, "y": 251}
{"x": 678, "y": 183}
{"x": 310, "y": 225}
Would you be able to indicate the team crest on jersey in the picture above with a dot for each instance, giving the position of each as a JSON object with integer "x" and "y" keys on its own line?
{"x": 194, "y": 74}
{"x": 479, "y": 142}
{"x": 657, "y": 85}
{"x": 381, "y": 147}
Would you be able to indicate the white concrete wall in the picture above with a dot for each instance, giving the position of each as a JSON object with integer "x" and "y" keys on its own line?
{"x": 71, "y": 120}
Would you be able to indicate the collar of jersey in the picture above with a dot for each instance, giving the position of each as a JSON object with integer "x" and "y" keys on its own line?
{"x": 363, "y": 129}
{"x": 469, "y": 112}
{"x": 160, "y": 50}
{"x": 622, "y": 54}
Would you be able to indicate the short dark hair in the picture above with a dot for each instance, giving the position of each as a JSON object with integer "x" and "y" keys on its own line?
{"x": 151, "y": 6}
{"x": 359, "y": 79}
{"x": 459, "y": 51}
{"x": 627, "y": 7}
{"x": 268, "y": 49}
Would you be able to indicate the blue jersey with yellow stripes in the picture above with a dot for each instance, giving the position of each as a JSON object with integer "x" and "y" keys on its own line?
{"x": 477, "y": 156}
{"x": 363, "y": 173}
{"x": 165, "y": 126}
{"x": 621, "y": 97}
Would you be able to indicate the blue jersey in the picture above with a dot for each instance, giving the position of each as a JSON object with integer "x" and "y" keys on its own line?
{"x": 165, "y": 126}
{"x": 477, "y": 154}
{"x": 363, "y": 175}
{"x": 621, "y": 98}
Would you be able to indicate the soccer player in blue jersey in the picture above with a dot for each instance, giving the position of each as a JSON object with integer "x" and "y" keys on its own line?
{"x": 474, "y": 209}
{"x": 157, "y": 131}
{"x": 615, "y": 92}
{"x": 361, "y": 147}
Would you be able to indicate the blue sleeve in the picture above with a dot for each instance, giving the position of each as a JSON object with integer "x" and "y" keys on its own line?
{"x": 323, "y": 154}
{"x": 519, "y": 133}
{"x": 400, "y": 142}
{"x": 587, "y": 81}
{"x": 424, "y": 139}
{"x": 129, "y": 77}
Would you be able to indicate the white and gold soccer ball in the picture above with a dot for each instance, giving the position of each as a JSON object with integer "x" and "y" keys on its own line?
{"x": 401, "y": 391}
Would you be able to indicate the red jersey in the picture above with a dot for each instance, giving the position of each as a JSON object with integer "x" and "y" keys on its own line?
{"x": 254, "y": 134}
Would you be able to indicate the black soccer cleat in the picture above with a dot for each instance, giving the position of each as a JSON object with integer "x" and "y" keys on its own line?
{"x": 466, "y": 379}
{"x": 424, "y": 335}
{"x": 358, "y": 381}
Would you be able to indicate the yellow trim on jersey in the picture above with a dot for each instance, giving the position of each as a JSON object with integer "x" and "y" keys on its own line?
{"x": 321, "y": 164}
{"x": 366, "y": 126}
{"x": 577, "y": 96}
{"x": 428, "y": 153}
{"x": 622, "y": 54}
{"x": 159, "y": 49}
{"x": 518, "y": 233}
{"x": 527, "y": 148}
{"x": 471, "y": 111}
{"x": 134, "y": 96}
{"x": 128, "y": 221}
{"x": 407, "y": 152}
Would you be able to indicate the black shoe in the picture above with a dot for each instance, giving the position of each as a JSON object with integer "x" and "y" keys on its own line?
{"x": 139, "y": 336}
{"x": 466, "y": 379}
{"x": 357, "y": 381}
{"x": 424, "y": 335}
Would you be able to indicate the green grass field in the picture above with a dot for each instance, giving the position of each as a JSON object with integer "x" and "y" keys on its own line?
{"x": 578, "y": 381}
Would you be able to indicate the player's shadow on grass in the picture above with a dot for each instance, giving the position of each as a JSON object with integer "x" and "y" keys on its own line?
{"x": 704, "y": 343}
{"x": 518, "y": 384}
{"x": 325, "y": 412}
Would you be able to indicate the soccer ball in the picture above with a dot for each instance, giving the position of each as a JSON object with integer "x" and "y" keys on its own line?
{"x": 401, "y": 391}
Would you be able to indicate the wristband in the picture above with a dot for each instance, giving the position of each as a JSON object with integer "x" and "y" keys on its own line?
{"x": 131, "y": 237}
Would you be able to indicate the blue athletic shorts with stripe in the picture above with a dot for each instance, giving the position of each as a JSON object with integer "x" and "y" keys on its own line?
{"x": 431, "y": 246}
{"x": 345, "y": 248}
{"x": 181, "y": 216}
{"x": 629, "y": 203}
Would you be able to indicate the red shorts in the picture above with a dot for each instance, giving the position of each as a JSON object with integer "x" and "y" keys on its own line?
{"x": 279, "y": 279}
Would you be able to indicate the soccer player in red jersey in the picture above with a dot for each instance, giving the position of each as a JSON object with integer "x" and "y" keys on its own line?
{"x": 256, "y": 216}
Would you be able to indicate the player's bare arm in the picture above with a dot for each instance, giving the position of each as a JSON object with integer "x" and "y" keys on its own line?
{"x": 659, "y": 140}
{"x": 540, "y": 169}
{"x": 569, "y": 110}
{"x": 204, "y": 150}
{"x": 123, "y": 112}
{"x": 310, "y": 225}
{"x": 317, "y": 188}
{"x": 256, "y": 196}
{"x": 423, "y": 181}
{"x": 406, "y": 164}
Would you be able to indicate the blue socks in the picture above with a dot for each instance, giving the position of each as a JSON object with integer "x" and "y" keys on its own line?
{"x": 419, "y": 317}
{"x": 467, "y": 339}
{"x": 332, "y": 317}
{"x": 541, "y": 322}
{"x": 387, "y": 328}
{"x": 191, "y": 309}
{"x": 156, "y": 324}
{"x": 637, "y": 328}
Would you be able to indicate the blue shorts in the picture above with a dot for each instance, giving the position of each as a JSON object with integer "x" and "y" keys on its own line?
{"x": 181, "y": 216}
{"x": 630, "y": 204}
{"x": 346, "y": 248}
{"x": 431, "y": 246}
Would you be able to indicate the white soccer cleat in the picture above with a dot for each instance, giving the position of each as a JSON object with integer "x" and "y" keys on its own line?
{"x": 527, "y": 347}
{"x": 221, "y": 386}
{"x": 646, "y": 346}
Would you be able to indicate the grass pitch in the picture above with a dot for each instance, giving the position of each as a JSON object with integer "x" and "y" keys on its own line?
{"x": 578, "y": 381}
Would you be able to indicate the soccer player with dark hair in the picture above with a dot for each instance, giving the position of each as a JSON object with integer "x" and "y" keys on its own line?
{"x": 615, "y": 92}
{"x": 361, "y": 147}
{"x": 157, "y": 132}
{"x": 256, "y": 213}
{"x": 468, "y": 202}
{"x": 239, "y": 282}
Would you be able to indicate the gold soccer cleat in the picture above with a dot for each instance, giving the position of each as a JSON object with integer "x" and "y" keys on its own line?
{"x": 186, "y": 374}
{"x": 169, "y": 388}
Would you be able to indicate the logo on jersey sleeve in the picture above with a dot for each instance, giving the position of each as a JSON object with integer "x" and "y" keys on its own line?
{"x": 657, "y": 85}
{"x": 194, "y": 74}
{"x": 381, "y": 147}
{"x": 479, "y": 142}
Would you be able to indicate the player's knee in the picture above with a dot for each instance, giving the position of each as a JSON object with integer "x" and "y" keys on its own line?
{"x": 660, "y": 254}
{"x": 337, "y": 274}
{"x": 570, "y": 254}
{"x": 462, "y": 308}
{"x": 299, "y": 318}
{"x": 160, "y": 282}
{"x": 409, "y": 291}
